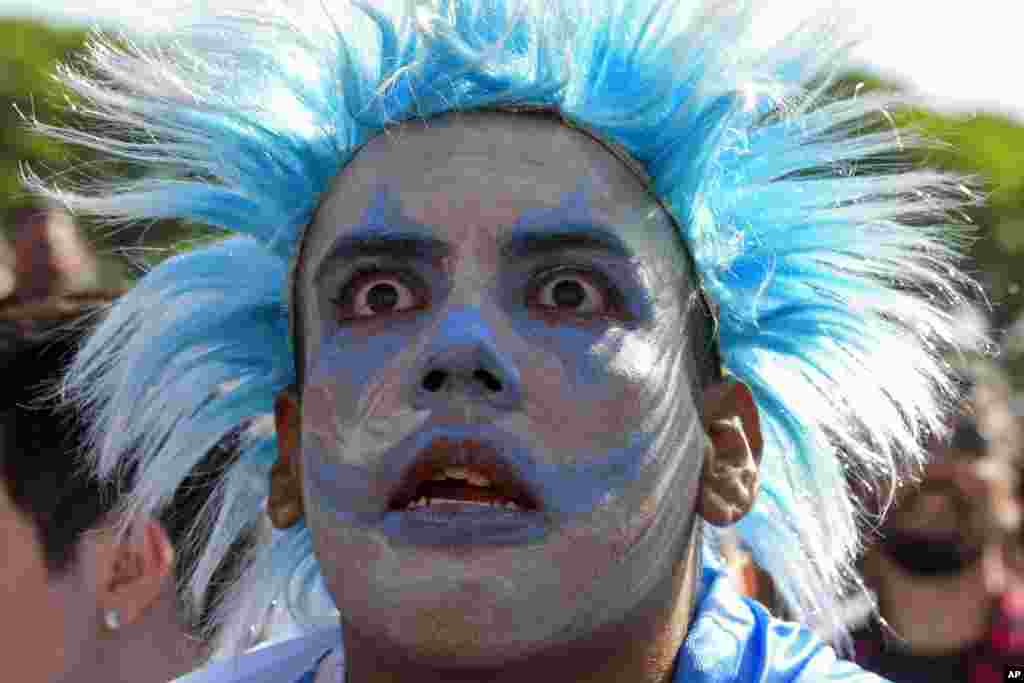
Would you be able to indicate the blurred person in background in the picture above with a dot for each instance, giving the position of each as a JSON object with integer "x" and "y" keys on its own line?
{"x": 6, "y": 269}
{"x": 48, "y": 273}
{"x": 84, "y": 601}
{"x": 946, "y": 569}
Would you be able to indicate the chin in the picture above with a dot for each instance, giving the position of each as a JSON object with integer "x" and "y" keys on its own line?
{"x": 458, "y": 630}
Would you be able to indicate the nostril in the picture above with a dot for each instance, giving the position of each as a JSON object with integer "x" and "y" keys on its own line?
{"x": 488, "y": 380}
{"x": 434, "y": 380}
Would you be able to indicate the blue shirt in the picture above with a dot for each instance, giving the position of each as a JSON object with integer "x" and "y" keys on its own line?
{"x": 731, "y": 639}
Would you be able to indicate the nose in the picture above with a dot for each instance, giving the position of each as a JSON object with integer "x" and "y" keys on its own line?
{"x": 464, "y": 362}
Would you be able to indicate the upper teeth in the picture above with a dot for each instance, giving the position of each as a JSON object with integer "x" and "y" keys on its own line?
{"x": 462, "y": 474}
{"x": 425, "y": 502}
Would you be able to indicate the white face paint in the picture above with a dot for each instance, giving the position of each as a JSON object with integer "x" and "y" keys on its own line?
{"x": 502, "y": 288}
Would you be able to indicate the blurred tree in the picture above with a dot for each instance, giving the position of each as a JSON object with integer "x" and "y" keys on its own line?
{"x": 991, "y": 148}
{"x": 29, "y": 54}
{"x": 988, "y": 149}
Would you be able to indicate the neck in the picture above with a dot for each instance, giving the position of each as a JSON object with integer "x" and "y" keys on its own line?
{"x": 641, "y": 648}
{"x": 153, "y": 649}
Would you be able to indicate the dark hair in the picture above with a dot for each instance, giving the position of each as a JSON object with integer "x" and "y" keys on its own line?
{"x": 986, "y": 424}
{"x": 968, "y": 439}
{"x": 40, "y": 442}
{"x": 188, "y": 523}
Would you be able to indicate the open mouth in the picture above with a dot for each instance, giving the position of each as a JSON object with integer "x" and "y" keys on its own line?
{"x": 461, "y": 473}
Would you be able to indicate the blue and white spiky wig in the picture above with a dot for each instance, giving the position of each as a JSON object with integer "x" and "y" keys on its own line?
{"x": 830, "y": 265}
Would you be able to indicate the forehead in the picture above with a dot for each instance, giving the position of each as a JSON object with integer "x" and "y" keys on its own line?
{"x": 480, "y": 174}
{"x": 505, "y": 154}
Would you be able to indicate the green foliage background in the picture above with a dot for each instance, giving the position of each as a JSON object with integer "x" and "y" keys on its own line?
{"x": 989, "y": 150}
{"x": 988, "y": 147}
{"x": 29, "y": 54}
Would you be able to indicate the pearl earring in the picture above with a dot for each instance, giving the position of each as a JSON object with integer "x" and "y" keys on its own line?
{"x": 112, "y": 618}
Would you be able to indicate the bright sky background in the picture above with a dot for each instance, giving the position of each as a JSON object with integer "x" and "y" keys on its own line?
{"x": 961, "y": 55}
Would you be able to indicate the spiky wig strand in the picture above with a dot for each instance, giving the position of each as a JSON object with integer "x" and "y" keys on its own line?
{"x": 832, "y": 271}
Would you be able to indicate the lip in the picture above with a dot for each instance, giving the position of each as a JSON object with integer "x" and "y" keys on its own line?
{"x": 480, "y": 455}
{"x": 454, "y": 523}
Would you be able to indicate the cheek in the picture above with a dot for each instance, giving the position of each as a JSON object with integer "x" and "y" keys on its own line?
{"x": 599, "y": 394}
{"x": 354, "y": 411}
{"x": 355, "y": 379}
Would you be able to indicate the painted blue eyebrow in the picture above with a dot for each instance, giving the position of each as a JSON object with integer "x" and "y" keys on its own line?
{"x": 525, "y": 243}
{"x": 387, "y": 232}
{"x": 392, "y": 244}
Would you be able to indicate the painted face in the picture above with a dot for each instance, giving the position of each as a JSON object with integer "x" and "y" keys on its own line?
{"x": 49, "y": 622}
{"x": 500, "y": 445}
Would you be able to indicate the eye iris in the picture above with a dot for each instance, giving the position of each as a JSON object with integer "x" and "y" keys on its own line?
{"x": 382, "y": 297}
{"x": 568, "y": 293}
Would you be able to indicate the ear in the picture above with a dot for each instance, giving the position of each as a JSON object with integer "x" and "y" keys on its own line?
{"x": 285, "y": 505}
{"x": 732, "y": 456}
{"x": 133, "y": 569}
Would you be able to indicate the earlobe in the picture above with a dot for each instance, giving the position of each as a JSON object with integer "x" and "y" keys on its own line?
{"x": 285, "y": 505}
{"x": 135, "y": 569}
{"x": 731, "y": 472}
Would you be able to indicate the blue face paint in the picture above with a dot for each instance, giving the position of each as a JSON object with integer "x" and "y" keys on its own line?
{"x": 488, "y": 296}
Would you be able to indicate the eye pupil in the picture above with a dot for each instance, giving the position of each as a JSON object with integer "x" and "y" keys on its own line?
{"x": 382, "y": 297}
{"x": 568, "y": 293}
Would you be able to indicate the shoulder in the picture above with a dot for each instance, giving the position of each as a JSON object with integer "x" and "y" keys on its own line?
{"x": 732, "y": 638}
{"x": 285, "y": 662}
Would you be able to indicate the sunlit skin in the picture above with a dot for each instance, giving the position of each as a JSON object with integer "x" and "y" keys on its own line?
{"x": 52, "y": 627}
{"x": 49, "y": 621}
{"x": 433, "y": 252}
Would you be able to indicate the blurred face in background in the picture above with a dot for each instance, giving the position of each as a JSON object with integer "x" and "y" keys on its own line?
{"x": 951, "y": 547}
{"x": 49, "y": 620}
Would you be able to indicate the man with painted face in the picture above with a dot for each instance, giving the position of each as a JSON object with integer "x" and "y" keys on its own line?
{"x": 539, "y": 295}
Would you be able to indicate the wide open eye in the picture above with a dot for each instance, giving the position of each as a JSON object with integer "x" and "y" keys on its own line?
{"x": 377, "y": 293}
{"x": 572, "y": 291}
